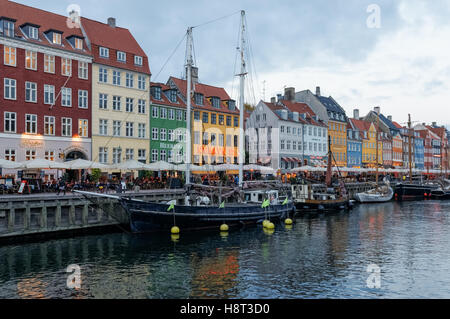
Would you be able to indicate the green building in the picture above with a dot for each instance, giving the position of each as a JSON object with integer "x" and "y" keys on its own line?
{"x": 167, "y": 125}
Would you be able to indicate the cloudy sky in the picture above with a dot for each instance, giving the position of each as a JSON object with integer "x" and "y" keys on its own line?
{"x": 402, "y": 66}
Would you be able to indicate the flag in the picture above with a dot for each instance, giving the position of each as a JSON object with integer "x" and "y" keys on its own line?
{"x": 286, "y": 201}
{"x": 172, "y": 206}
{"x": 222, "y": 205}
{"x": 266, "y": 203}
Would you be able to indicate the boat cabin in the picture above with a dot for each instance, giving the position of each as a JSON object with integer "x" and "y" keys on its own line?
{"x": 258, "y": 197}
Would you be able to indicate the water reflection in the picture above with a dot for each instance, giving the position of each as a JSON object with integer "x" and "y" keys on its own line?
{"x": 323, "y": 256}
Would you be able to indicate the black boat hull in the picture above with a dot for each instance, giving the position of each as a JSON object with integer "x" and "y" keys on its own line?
{"x": 440, "y": 195}
{"x": 152, "y": 217}
{"x": 323, "y": 206}
{"x": 411, "y": 192}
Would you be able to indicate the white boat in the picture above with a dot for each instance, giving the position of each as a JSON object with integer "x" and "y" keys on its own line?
{"x": 377, "y": 195}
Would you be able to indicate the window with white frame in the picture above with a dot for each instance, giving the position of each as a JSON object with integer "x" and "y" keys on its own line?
{"x": 31, "y": 123}
{"x": 83, "y": 99}
{"x": 30, "y": 92}
{"x": 141, "y": 106}
{"x": 154, "y": 156}
{"x": 171, "y": 136}
{"x": 9, "y": 56}
{"x": 129, "y": 154}
{"x": 116, "y": 77}
{"x": 104, "y": 52}
{"x": 179, "y": 115}
{"x": 31, "y": 60}
{"x": 33, "y": 33}
{"x": 142, "y": 155}
{"x": 117, "y": 100}
{"x": 141, "y": 82}
{"x": 129, "y": 105}
{"x": 8, "y": 28}
{"x": 163, "y": 113}
{"x": 155, "y": 134}
{"x": 141, "y": 130}
{"x": 66, "y": 127}
{"x": 129, "y": 80}
{"x": 138, "y": 60}
{"x": 121, "y": 56}
{"x": 171, "y": 114}
{"x": 163, "y": 155}
{"x": 103, "y": 101}
{"x": 83, "y": 70}
{"x": 103, "y": 127}
{"x": 10, "y": 155}
{"x": 66, "y": 97}
{"x": 49, "y": 156}
{"x": 83, "y": 128}
{"x": 117, "y": 125}
{"x": 155, "y": 112}
{"x": 129, "y": 129}
{"x": 66, "y": 66}
{"x": 49, "y": 63}
{"x": 10, "y": 89}
{"x": 103, "y": 155}
{"x": 30, "y": 155}
{"x": 117, "y": 155}
{"x": 10, "y": 122}
{"x": 49, "y": 125}
{"x": 103, "y": 75}
{"x": 78, "y": 43}
{"x": 163, "y": 134}
{"x": 56, "y": 38}
{"x": 171, "y": 159}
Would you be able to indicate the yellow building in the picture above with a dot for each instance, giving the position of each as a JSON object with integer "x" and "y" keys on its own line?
{"x": 369, "y": 144}
{"x": 120, "y": 94}
{"x": 215, "y": 124}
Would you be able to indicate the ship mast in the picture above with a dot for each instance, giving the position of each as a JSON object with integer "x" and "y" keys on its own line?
{"x": 241, "y": 103}
{"x": 410, "y": 150}
{"x": 189, "y": 64}
{"x": 378, "y": 129}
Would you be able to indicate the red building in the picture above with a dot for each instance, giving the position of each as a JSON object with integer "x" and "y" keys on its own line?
{"x": 45, "y": 85}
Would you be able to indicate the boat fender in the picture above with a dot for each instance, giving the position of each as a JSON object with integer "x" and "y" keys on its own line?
{"x": 224, "y": 228}
{"x": 288, "y": 221}
{"x": 175, "y": 230}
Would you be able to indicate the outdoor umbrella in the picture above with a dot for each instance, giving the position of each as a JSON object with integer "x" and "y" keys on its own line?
{"x": 83, "y": 164}
{"x": 43, "y": 164}
{"x": 9, "y": 164}
{"x": 160, "y": 166}
{"x": 131, "y": 165}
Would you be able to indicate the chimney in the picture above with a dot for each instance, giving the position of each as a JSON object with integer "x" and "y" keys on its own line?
{"x": 434, "y": 124}
{"x": 112, "y": 22}
{"x": 295, "y": 116}
{"x": 289, "y": 94}
{"x": 273, "y": 100}
{"x": 318, "y": 91}
{"x": 356, "y": 114}
{"x": 279, "y": 97}
{"x": 390, "y": 118}
{"x": 377, "y": 110}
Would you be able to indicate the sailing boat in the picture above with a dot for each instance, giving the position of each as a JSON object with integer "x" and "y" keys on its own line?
{"x": 197, "y": 212}
{"x": 379, "y": 194}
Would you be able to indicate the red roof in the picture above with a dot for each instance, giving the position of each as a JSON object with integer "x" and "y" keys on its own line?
{"x": 45, "y": 20}
{"x": 116, "y": 39}
{"x": 397, "y": 125}
{"x": 439, "y": 131}
{"x": 164, "y": 100}
{"x": 362, "y": 126}
{"x": 207, "y": 91}
{"x": 301, "y": 108}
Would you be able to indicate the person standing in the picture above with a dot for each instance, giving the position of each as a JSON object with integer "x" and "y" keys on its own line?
{"x": 61, "y": 186}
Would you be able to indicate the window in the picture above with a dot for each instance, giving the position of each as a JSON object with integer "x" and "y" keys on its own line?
{"x": 236, "y": 141}
{"x": 103, "y": 155}
{"x": 66, "y": 97}
{"x": 205, "y": 118}
{"x": 141, "y": 130}
{"x": 221, "y": 119}
{"x": 213, "y": 118}
{"x": 138, "y": 60}
{"x": 30, "y": 155}
{"x": 236, "y": 121}
{"x": 129, "y": 82}
{"x": 31, "y": 60}
{"x": 179, "y": 115}
{"x": 228, "y": 120}
{"x": 215, "y": 102}
{"x": 82, "y": 99}
{"x": 56, "y": 38}
{"x": 116, "y": 77}
{"x": 49, "y": 63}
{"x": 156, "y": 92}
{"x": 213, "y": 139}
{"x": 66, "y": 125}
{"x": 221, "y": 140}
{"x": 205, "y": 138}
{"x": 9, "y": 56}
{"x": 155, "y": 134}
{"x": 196, "y": 116}
{"x": 129, "y": 105}
{"x": 117, "y": 155}
{"x": 154, "y": 155}
{"x": 10, "y": 89}
{"x": 49, "y": 155}
{"x": 83, "y": 69}
{"x": 10, "y": 155}
{"x": 163, "y": 134}
{"x": 163, "y": 155}
{"x": 121, "y": 56}
{"x": 83, "y": 128}
{"x": 49, "y": 125}
{"x": 66, "y": 67}
{"x": 282, "y": 145}
{"x": 172, "y": 96}
{"x": 8, "y": 29}
{"x": 171, "y": 136}
{"x": 142, "y": 155}
{"x": 103, "y": 101}
{"x": 141, "y": 107}
{"x": 155, "y": 112}
{"x": 141, "y": 85}
{"x": 31, "y": 123}
{"x": 103, "y": 75}
{"x": 129, "y": 129}
{"x": 198, "y": 98}
{"x": 10, "y": 122}
{"x": 103, "y": 127}
{"x": 171, "y": 114}
{"x": 197, "y": 138}
{"x": 129, "y": 154}
{"x": 30, "y": 92}
{"x": 117, "y": 100}
{"x": 116, "y": 128}
{"x": 104, "y": 52}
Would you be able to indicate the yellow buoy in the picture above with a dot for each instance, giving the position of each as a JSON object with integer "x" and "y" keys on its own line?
{"x": 269, "y": 231}
{"x": 223, "y": 234}
{"x": 270, "y": 226}
{"x": 265, "y": 223}
{"x": 288, "y": 221}
{"x": 289, "y": 227}
{"x": 224, "y": 228}
{"x": 175, "y": 237}
{"x": 175, "y": 230}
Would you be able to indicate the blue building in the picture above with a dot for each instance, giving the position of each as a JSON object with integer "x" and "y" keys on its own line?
{"x": 419, "y": 151}
{"x": 354, "y": 146}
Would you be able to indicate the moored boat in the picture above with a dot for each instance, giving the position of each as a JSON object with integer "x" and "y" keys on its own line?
{"x": 377, "y": 195}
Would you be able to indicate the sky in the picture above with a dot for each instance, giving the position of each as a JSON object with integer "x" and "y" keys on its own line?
{"x": 364, "y": 53}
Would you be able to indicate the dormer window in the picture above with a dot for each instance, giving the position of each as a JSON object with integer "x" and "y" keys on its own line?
{"x": 121, "y": 56}
{"x": 7, "y": 27}
{"x": 33, "y": 33}
{"x": 172, "y": 94}
{"x": 78, "y": 44}
{"x": 138, "y": 60}
{"x": 56, "y": 38}
{"x": 156, "y": 92}
{"x": 198, "y": 98}
{"x": 104, "y": 52}
{"x": 231, "y": 105}
{"x": 215, "y": 102}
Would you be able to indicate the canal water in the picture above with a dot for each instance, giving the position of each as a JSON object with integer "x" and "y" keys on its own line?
{"x": 324, "y": 256}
